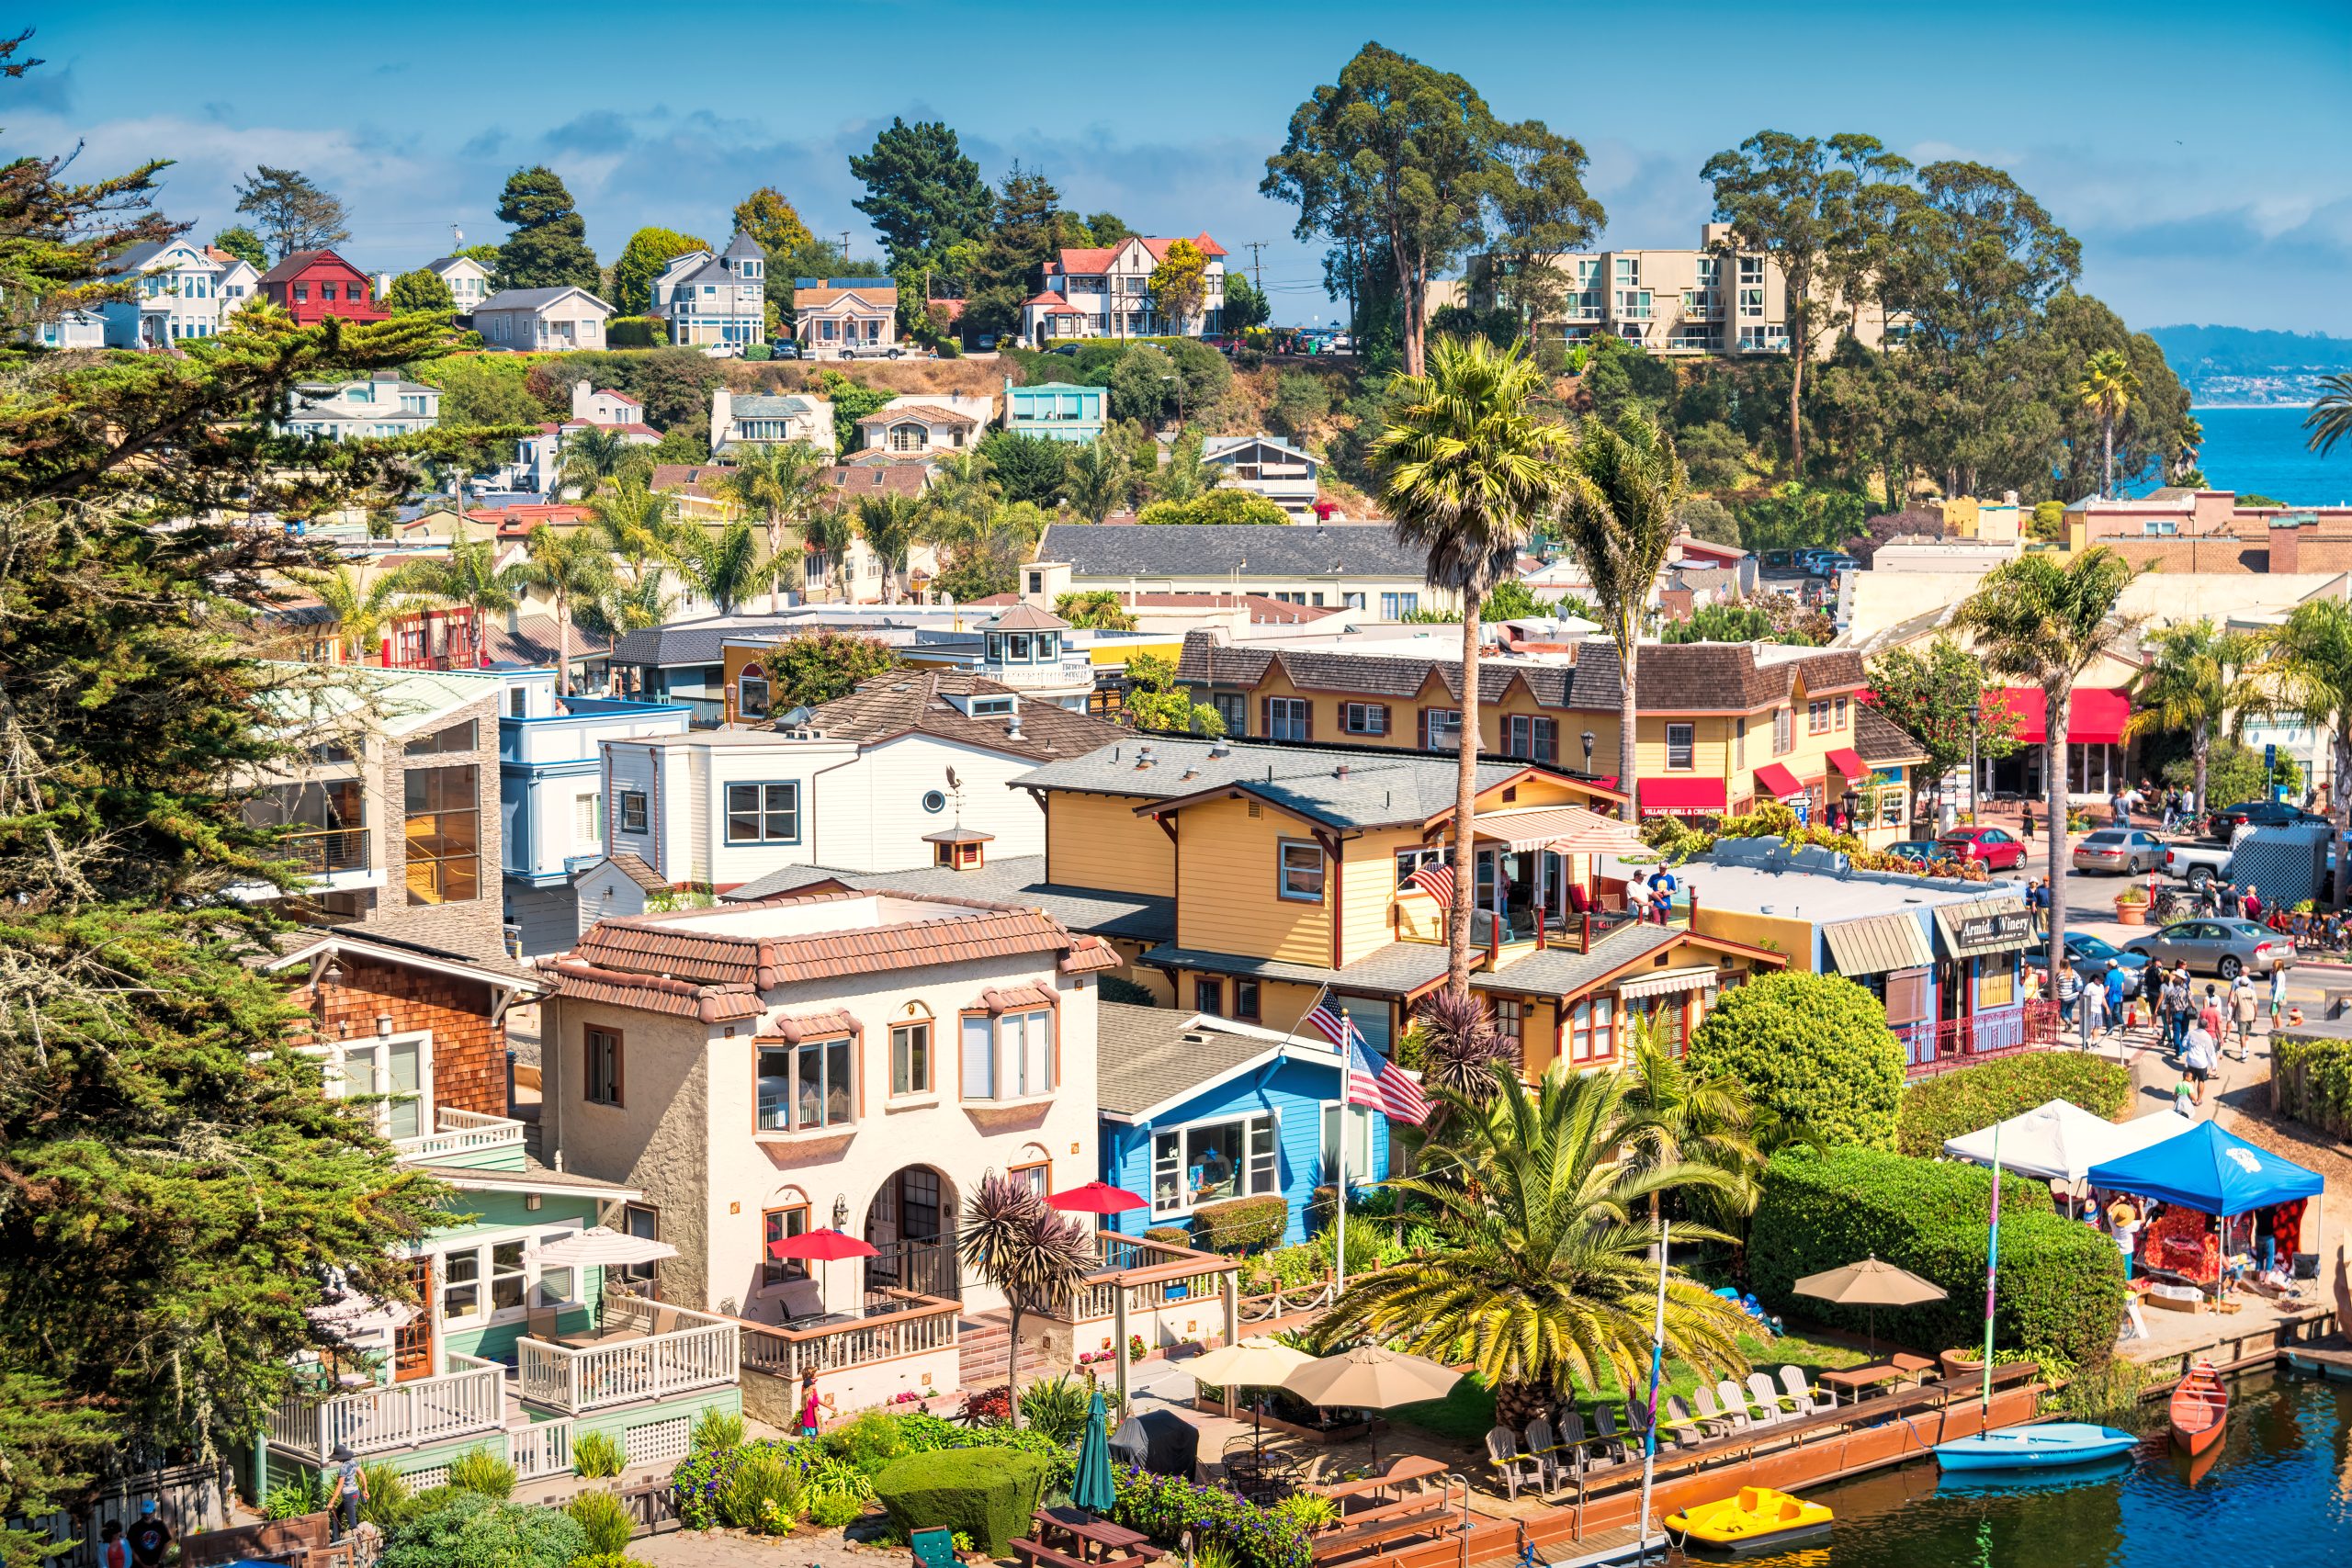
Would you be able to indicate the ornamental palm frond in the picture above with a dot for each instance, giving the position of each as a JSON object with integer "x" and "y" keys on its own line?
{"x": 591, "y": 456}
{"x": 472, "y": 577}
{"x": 778, "y": 484}
{"x": 1467, "y": 471}
{"x": 364, "y": 603}
{"x": 2198, "y": 678}
{"x": 574, "y": 567}
{"x": 887, "y": 523}
{"x": 1541, "y": 1277}
{"x": 724, "y": 565}
{"x": 2109, "y": 387}
{"x": 830, "y": 533}
{"x": 1460, "y": 1048}
{"x": 638, "y": 524}
{"x": 1100, "y": 480}
{"x": 1683, "y": 1117}
{"x": 2329, "y": 419}
{"x": 2308, "y": 665}
{"x": 1036, "y": 1256}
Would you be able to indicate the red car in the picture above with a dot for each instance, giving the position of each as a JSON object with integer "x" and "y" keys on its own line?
{"x": 1996, "y": 847}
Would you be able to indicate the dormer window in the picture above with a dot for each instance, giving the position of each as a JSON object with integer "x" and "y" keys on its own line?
{"x": 984, "y": 707}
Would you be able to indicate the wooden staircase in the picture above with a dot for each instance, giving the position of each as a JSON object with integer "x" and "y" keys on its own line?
{"x": 981, "y": 1342}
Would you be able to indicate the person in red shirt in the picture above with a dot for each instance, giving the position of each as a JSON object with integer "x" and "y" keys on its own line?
{"x": 2253, "y": 902}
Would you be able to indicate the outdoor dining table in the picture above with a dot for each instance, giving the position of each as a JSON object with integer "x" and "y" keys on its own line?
{"x": 1857, "y": 1381}
{"x": 588, "y": 1339}
{"x": 1092, "y": 1540}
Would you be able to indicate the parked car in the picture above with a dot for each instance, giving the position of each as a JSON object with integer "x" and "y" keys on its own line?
{"x": 1829, "y": 563}
{"x": 2223, "y": 824}
{"x": 1999, "y": 849}
{"x": 784, "y": 348}
{"x": 1777, "y": 560}
{"x": 2129, "y": 850}
{"x": 2090, "y": 955}
{"x": 1920, "y": 850}
{"x": 2223, "y": 947}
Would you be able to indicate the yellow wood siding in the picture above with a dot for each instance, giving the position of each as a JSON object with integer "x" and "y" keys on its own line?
{"x": 1097, "y": 841}
{"x": 1793, "y": 940}
{"x": 1367, "y": 888}
{"x": 1226, "y": 880}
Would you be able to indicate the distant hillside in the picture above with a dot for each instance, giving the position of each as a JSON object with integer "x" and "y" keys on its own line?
{"x": 2242, "y": 365}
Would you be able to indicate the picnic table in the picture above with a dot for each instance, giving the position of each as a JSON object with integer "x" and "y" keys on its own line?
{"x": 1858, "y": 1380}
{"x": 1067, "y": 1535}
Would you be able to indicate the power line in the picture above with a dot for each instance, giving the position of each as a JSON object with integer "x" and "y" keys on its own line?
{"x": 1257, "y": 272}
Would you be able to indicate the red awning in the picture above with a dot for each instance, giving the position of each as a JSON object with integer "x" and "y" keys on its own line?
{"x": 2095, "y": 718}
{"x": 1776, "y": 781}
{"x": 1682, "y": 797}
{"x": 1849, "y": 762}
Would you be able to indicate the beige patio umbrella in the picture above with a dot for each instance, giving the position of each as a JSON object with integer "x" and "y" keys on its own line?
{"x": 1870, "y": 1284}
{"x": 1371, "y": 1378}
{"x": 1258, "y": 1361}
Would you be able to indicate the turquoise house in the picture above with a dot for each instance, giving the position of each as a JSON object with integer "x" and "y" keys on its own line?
{"x": 1056, "y": 410}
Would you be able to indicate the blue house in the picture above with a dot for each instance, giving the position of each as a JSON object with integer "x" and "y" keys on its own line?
{"x": 1197, "y": 1110}
{"x": 1056, "y": 410}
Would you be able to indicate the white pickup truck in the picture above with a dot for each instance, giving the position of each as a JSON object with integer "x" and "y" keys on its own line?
{"x": 2197, "y": 865}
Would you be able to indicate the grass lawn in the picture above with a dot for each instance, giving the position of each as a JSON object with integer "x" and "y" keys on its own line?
{"x": 1468, "y": 1413}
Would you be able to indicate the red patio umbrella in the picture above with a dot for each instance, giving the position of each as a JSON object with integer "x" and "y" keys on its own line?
{"x": 821, "y": 1246}
{"x": 1095, "y": 1198}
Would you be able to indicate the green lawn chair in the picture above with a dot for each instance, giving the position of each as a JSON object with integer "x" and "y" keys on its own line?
{"x": 934, "y": 1549}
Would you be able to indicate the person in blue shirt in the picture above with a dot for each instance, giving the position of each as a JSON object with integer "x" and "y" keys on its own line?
{"x": 2114, "y": 986}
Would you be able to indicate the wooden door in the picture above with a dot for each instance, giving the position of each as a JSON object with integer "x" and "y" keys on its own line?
{"x": 413, "y": 1341}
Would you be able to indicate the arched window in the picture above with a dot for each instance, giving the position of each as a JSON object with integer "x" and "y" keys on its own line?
{"x": 751, "y": 691}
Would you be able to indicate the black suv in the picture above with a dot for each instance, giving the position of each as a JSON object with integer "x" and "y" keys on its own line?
{"x": 2223, "y": 824}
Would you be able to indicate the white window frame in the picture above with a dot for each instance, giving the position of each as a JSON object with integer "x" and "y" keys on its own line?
{"x": 378, "y": 1050}
{"x": 481, "y": 1246}
{"x": 1688, "y": 747}
{"x": 1247, "y": 1171}
{"x": 1023, "y": 1048}
{"x": 1363, "y": 718}
{"x": 1360, "y": 1145}
{"x": 1289, "y": 719}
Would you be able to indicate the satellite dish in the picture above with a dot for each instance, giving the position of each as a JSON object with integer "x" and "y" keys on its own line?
{"x": 952, "y": 782}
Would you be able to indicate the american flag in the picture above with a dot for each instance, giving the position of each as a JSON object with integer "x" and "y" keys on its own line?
{"x": 1436, "y": 879}
{"x": 1377, "y": 1081}
{"x": 1332, "y": 1026}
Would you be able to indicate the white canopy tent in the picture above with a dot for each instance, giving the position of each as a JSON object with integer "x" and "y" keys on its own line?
{"x": 2061, "y": 1141}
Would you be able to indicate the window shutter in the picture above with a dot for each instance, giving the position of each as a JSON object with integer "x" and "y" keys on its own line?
{"x": 1266, "y": 715}
{"x": 1906, "y": 996}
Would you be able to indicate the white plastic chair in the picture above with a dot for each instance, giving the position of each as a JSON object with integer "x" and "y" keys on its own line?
{"x": 1767, "y": 1397}
{"x": 1717, "y": 1420}
{"x": 1734, "y": 1401}
{"x": 1798, "y": 1389}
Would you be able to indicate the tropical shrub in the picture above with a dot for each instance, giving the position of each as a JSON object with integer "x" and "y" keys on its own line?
{"x": 835, "y": 1510}
{"x": 386, "y": 1501}
{"x": 479, "y": 1470}
{"x": 1165, "y": 1507}
{"x": 2061, "y": 1283}
{"x": 868, "y": 1442}
{"x": 762, "y": 1494}
{"x": 1056, "y": 1406}
{"x": 1811, "y": 1049}
{"x": 605, "y": 1519}
{"x": 476, "y": 1531}
{"x": 1242, "y": 1225}
{"x": 306, "y": 1492}
{"x": 1958, "y": 1102}
{"x": 986, "y": 1494}
{"x": 597, "y": 1455}
{"x": 2311, "y": 1080}
{"x": 716, "y": 1428}
{"x": 986, "y": 1406}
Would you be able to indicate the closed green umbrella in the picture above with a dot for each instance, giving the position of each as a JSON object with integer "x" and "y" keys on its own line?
{"x": 1091, "y": 1488}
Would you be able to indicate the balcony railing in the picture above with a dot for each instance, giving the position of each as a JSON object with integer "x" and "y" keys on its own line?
{"x": 400, "y": 1415}
{"x": 540, "y": 1449}
{"x": 1060, "y": 672}
{"x": 1153, "y": 1273}
{"x": 461, "y": 1133}
{"x": 322, "y": 851}
{"x": 908, "y": 1325}
{"x": 703, "y": 1353}
{"x": 1935, "y": 1046}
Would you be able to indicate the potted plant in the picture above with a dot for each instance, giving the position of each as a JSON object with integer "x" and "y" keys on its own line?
{"x": 2132, "y": 905}
{"x": 1962, "y": 1363}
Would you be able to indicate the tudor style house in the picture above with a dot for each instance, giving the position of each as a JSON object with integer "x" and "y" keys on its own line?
{"x": 183, "y": 290}
{"x": 716, "y": 299}
{"x": 1106, "y": 292}
{"x": 310, "y": 285}
{"x": 1299, "y": 873}
{"x": 831, "y": 317}
{"x": 542, "y": 321}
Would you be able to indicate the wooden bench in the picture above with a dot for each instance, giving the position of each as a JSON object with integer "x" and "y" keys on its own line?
{"x": 1424, "y": 1520}
{"x": 1037, "y": 1554}
{"x": 1418, "y": 1468}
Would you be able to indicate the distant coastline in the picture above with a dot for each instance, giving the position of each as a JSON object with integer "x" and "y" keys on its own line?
{"x": 2201, "y": 408}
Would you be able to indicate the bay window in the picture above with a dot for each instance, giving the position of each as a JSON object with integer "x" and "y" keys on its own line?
{"x": 1008, "y": 1057}
{"x": 806, "y": 1086}
{"x": 1212, "y": 1161}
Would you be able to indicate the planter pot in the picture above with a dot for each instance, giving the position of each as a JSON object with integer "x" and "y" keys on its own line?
{"x": 2133, "y": 914}
{"x": 1960, "y": 1366}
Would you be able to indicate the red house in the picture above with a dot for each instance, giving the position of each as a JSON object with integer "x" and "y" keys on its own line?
{"x": 310, "y": 285}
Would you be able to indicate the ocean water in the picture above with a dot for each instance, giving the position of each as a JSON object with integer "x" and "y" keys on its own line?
{"x": 2261, "y": 451}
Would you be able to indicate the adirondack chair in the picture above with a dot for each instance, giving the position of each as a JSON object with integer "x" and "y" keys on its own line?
{"x": 1717, "y": 1421}
{"x": 1679, "y": 1426}
{"x": 1576, "y": 1451}
{"x": 1605, "y": 1432}
{"x": 1515, "y": 1467}
{"x": 1735, "y": 1403}
{"x": 1545, "y": 1447}
{"x": 1807, "y": 1403}
{"x": 1760, "y": 1385}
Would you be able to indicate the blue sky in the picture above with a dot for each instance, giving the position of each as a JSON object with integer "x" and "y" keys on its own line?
{"x": 2198, "y": 151}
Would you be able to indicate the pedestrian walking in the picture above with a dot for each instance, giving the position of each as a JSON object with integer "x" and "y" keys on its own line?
{"x": 2070, "y": 990}
{"x": 2211, "y": 1013}
{"x": 150, "y": 1539}
{"x": 2244, "y": 1006}
{"x": 809, "y": 1405}
{"x": 2115, "y": 982}
{"x": 2253, "y": 906}
{"x": 112, "y": 1553}
{"x": 2197, "y": 1058}
{"x": 2278, "y": 995}
{"x": 2094, "y": 1013}
{"x": 2172, "y": 1003}
{"x": 350, "y": 1488}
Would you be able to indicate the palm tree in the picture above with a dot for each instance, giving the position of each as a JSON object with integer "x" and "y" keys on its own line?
{"x": 2035, "y": 621}
{"x": 626, "y": 607}
{"x": 780, "y": 484}
{"x": 2329, "y": 419}
{"x": 725, "y": 566}
{"x": 1467, "y": 472}
{"x": 1036, "y": 1256}
{"x": 831, "y": 533}
{"x": 638, "y": 524}
{"x": 962, "y": 496}
{"x": 472, "y": 577}
{"x": 1184, "y": 477}
{"x": 2196, "y": 680}
{"x": 574, "y": 567}
{"x": 1682, "y": 1117}
{"x": 1460, "y": 1047}
{"x": 1095, "y": 609}
{"x": 1541, "y": 1277}
{"x": 590, "y": 457}
{"x": 1620, "y": 520}
{"x": 363, "y": 603}
{"x": 887, "y": 523}
{"x": 2307, "y": 667}
{"x": 1100, "y": 481}
{"x": 2107, "y": 388}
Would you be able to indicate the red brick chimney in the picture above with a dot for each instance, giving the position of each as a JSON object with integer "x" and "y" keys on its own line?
{"x": 2286, "y": 545}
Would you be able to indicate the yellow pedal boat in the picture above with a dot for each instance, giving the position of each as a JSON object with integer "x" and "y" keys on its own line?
{"x": 1759, "y": 1519}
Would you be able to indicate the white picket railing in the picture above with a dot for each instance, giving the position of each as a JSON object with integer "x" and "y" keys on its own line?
{"x": 540, "y": 1449}
{"x": 406, "y": 1415}
{"x": 924, "y": 1323}
{"x": 461, "y": 1132}
{"x": 704, "y": 1353}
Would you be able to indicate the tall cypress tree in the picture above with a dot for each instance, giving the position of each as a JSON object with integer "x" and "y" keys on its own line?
{"x": 549, "y": 248}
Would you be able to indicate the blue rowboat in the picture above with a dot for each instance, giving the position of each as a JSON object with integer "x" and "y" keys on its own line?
{"x": 2041, "y": 1447}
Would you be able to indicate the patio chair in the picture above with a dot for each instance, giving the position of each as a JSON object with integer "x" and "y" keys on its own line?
{"x": 1605, "y": 1432}
{"x": 934, "y": 1549}
{"x": 1735, "y": 1402}
{"x": 540, "y": 1324}
{"x": 1799, "y": 1391}
{"x": 1546, "y": 1451}
{"x": 1679, "y": 1426}
{"x": 1718, "y": 1422}
{"x": 1514, "y": 1467}
{"x": 1767, "y": 1395}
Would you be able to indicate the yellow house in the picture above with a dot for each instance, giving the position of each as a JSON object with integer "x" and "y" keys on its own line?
{"x": 1301, "y": 875}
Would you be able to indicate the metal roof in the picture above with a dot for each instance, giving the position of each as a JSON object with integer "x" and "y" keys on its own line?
{"x": 1877, "y": 944}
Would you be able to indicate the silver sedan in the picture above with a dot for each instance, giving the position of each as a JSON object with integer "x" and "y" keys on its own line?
{"x": 2223, "y": 947}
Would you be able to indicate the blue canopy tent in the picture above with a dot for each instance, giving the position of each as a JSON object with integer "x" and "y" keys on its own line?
{"x": 2211, "y": 1171}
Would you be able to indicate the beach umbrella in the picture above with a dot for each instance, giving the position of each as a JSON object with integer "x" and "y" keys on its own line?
{"x": 821, "y": 1246}
{"x": 1869, "y": 1284}
{"x": 1255, "y": 1362}
{"x": 1371, "y": 1378}
{"x": 601, "y": 1247}
{"x": 1091, "y": 1487}
{"x": 1095, "y": 1198}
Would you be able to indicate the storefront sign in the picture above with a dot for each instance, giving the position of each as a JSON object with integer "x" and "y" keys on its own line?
{"x": 1995, "y": 931}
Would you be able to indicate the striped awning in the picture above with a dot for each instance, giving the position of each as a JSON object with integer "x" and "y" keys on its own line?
{"x": 1669, "y": 982}
{"x": 1564, "y": 830}
{"x": 1877, "y": 945}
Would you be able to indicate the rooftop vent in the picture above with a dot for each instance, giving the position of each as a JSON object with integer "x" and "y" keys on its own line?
{"x": 1144, "y": 757}
{"x": 1221, "y": 748}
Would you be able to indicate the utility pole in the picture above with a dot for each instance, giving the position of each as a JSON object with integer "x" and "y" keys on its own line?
{"x": 1257, "y": 272}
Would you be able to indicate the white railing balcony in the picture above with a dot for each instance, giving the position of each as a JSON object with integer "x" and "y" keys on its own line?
{"x": 909, "y": 1326}
{"x": 1059, "y": 673}
{"x": 460, "y": 1133}
{"x": 398, "y": 1415}
{"x": 1153, "y": 1273}
{"x": 648, "y": 1351}
{"x": 540, "y": 1449}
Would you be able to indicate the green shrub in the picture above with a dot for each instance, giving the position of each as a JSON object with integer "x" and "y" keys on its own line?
{"x": 868, "y": 1442}
{"x": 1810, "y": 1048}
{"x": 988, "y": 1494}
{"x": 2062, "y": 1283}
{"x": 1056, "y": 1406}
{"x": 479, "y": 1470}
{"x": 1173, "y": 1236}
{"x": 2311, "y": 1080}
{"x": 835, "y": 1510}
{"x": 1958, "y": 1102}
{"x": 1166, "y": 1509}
{"x": 715, "y": 1430}
{"x": 306, "y": 1492}
{"x": 384, "y": 1501}
{"x": 1111, "y": 989}
{"x": 762, "y": 1496}
{"x": 1242, "y": 1225}
{"x": 605, "y": 1519}
{"x": 475, "y": 1531}
{"x": 597, "y": 1455}
{"x": 635, "y": 332}
{"x": 756, "y": 351}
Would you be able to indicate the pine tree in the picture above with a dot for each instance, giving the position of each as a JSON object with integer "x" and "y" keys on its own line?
{"x": 922, "y": 195}
{"x": 293, "y": 212}
{"x": 244, "y": 244}
{"x": 549, "y": 248}
{"x": 1010, "y": 266}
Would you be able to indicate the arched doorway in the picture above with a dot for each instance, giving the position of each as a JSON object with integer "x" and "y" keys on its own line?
{"x": 910, "y": 1225}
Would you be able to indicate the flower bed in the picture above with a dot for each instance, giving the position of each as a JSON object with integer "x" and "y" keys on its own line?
{"x": 1164, "y": 1508}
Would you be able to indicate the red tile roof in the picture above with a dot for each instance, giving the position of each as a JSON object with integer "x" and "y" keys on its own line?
{"x": 1099, "y": 257}
{"x": 1051, "y": 303}
{"x": 809, "y": 1026}
{"x": 928, "y": 412}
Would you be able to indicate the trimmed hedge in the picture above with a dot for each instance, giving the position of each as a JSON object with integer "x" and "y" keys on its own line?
{"x": 1166, "y": 1507}
{"x": 1174, "y": 1236}
{"x": 2060, "y": 1285}
{"x": 2311, "y": 1080}
{"x": 988, "y": 1494}
{"x": 637, "y": 332}
{"x": 1940, "y": 1108}
{"x": 1242, "y": 1225}
{"x": 1810, "y": 1048}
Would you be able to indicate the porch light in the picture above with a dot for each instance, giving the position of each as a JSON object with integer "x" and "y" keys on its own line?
{"x": 1588, "y": 739}
{"x": 384, "y": 1024}
{"x": 841, "y": 1210}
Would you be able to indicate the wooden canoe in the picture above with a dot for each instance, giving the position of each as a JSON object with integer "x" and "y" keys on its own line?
{"x": 2200, "y": 1409}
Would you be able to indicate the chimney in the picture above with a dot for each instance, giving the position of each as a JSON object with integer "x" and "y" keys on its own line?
{"x": 580, "y": 393}
{"x": 1143, "y": 758}
{"x": 2286, "y": 545}
{"x": 1013, "y": 726}
{"x": 1340, "y": 772}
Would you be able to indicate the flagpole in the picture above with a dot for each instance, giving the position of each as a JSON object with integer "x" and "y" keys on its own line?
{"x": 1340, "y": 1251}
{"x": 1991, "y": 1269}
{"x": 1657, "y": 1366}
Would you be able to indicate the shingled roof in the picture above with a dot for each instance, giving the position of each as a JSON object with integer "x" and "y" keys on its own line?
{"x": 1356, "y": 788}
{"x": 1110, "y": 549}
{"x": 910, "y": 701}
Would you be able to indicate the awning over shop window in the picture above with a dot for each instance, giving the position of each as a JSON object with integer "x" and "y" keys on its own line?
{"x": 1877, "y": 945}
{"x": 1988, "y": 925}
{"x": 2093, "y": 716}
{"x": 1776, "y": 781}
{"x": 1570, "y": 830}
{"x": 1682, "y": 797}
{"x": 1669, "y": 982}
{"x": 1849, "y": 762}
